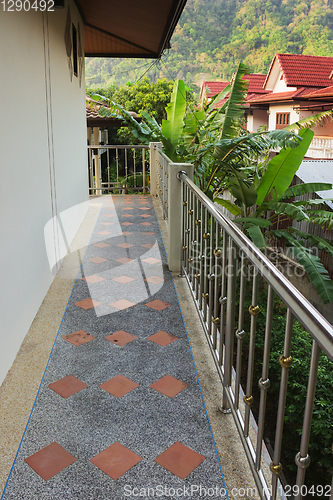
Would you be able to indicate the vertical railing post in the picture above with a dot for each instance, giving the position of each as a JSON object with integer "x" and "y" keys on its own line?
{"x": 153, "y": 147}
{"x": 144, "y": 171}
{"x": 302, "y": 458}
{"x": 175, "y": 213}
{"x": 230, "y": 269}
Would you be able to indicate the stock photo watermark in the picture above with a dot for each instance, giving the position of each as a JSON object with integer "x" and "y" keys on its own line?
{"x": 221, "y": 262}
{"x": 199, "y": 491}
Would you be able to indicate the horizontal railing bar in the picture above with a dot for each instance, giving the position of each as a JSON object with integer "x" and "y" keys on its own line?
{"x": 111, "y": 146}
{"x": 318, "y": 327}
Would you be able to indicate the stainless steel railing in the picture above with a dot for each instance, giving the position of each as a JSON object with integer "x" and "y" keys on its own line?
{"x": 125, "y": 164}
{"x": 162, "y": 177}
{"x": 216, "y": 260}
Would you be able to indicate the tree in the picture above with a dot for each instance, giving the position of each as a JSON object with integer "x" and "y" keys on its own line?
{"x": 265, "y": 202}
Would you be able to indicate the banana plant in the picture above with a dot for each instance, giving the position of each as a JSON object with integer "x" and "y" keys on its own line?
{"x": 265, "y": 203}
{"x": 149, "y": 130}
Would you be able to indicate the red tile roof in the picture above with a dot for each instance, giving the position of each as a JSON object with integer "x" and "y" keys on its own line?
{"x": 326, "y": 92}
{"x": 213, "y": 88}
{"x": 281, "y": 96}
{"x": 305, "y": 71}
{"x": 256, "y": 83}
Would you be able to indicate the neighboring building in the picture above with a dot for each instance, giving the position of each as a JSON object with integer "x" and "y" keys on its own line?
{"x": 296, "y": 87}
{"x": 43, "y": 134}
{"x": 210, "y": 89}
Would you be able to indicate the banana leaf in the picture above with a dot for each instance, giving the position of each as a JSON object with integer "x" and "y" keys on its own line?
{"x": 256, "y": 236}
{"x": 314, "y": 240}
{"x": 308, "y": 187}
{"x": 173, "y": 126}
{"x": 233, "y": 209}
{"x": 315, "y": 270}
{"x": 282, "y": 168}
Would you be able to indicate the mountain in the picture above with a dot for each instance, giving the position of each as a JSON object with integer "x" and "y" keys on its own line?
{"x": 212, "y": 36}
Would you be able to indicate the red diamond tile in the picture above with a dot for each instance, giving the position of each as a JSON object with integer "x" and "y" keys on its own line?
{"x": 128, "y": 208}
{"x": 97, "y": 260}
{"x": 67, "y": 386}
{"x": 151, "y": 260}
{"x": 154, "y": 280}
{"x": 109, "y": 215}
{"x": 104, "y": 233}
{"x": 180, "y": 460}
{"x": 126, "y": 223}
{"x": 87, "y": 304}
{"x": 93, "y": 278}
{"x": 125, "y": 245}
{"x": 147, "y": 233}
{"x": 123, "y": 279}
{"x": 79, "y": 338}
{"x": 124, "y": 260}
{"x": 121, "y": 338}
{"x": 115, "y": 460}
{"x": 126, "y": 233}
{"x": 162, "y": 338}
{"x": 145, "y": 224}
{"x": 119, "y": 386}
{"x": 158, "y": 305}
{"x": 169, "y": 386}
{"x": 127, "y": 215}
{"x": 101, "y": 245}
{"x": 145, "y": 215}
{"x": 148, "y": 245}
{"x": 50, "y": 460}
{"x": 144, "y": 208}
{"x": 122, "y": 304}
{"x": 107, "y": 223}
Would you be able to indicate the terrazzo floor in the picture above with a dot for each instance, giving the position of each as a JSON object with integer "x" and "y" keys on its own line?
{"x": 119, "y": 413}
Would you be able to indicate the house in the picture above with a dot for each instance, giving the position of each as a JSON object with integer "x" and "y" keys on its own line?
{"x": 43, "y": 134}
{"x": 209, "y": 89}
{"x": 296, "y": 87}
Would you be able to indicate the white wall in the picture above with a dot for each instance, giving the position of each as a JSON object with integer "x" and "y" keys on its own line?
{"x": 281, "y": 108}
{"x": 258, "y": 118}
{"x": 43, "y": 162}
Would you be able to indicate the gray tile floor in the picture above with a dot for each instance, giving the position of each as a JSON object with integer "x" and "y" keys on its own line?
{"x": 144, "y": 421}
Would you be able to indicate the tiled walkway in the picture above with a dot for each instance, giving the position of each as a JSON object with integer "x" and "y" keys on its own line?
{"x": 119, "y": 413}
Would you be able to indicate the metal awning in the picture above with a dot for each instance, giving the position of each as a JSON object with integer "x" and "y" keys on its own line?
{"x": 128, "y": 28}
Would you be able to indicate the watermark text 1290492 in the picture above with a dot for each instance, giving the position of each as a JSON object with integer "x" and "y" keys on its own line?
{"x": 27, "y": 5}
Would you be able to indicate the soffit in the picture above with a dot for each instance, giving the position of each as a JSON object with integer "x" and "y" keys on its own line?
{"x": 128, "y": 28}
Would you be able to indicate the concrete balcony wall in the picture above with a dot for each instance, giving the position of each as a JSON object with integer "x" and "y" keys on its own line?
{"x": 43, "y": 164}
{"x": 321, "y": 147}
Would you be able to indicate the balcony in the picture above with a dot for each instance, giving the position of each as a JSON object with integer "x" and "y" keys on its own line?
{"x": 321, "y": 147}
{"x": 112, "y": 314}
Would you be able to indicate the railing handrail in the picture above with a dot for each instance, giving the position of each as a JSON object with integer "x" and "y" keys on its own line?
{"x": 115, "y": 146}
{"x": 319, "y": 328}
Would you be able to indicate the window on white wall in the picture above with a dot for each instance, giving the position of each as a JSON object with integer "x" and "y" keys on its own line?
{"x": 282, "y": 120}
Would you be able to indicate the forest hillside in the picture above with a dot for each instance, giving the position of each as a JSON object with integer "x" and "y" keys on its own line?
{"x": 212, "y": 36}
